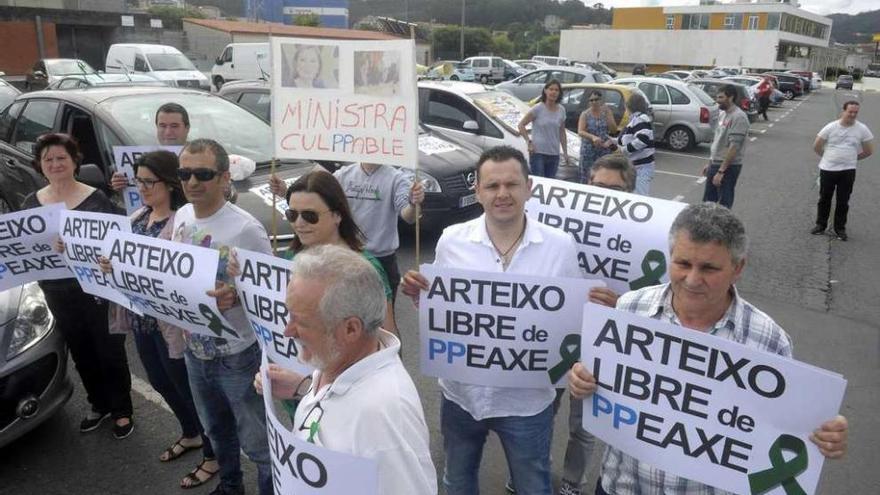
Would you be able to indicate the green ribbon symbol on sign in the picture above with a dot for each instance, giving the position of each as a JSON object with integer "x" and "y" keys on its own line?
{"x": 214, "y": 323}
{"x": 569, "y": 351}
{"x": 653, "y": 269}
{"x": 783, "y": 472}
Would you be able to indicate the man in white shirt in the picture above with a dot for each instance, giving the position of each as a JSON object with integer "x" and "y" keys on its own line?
{"x": 501, "y": 240}
{"x": 360, "y": 400}
{"x": 841, "y": 144}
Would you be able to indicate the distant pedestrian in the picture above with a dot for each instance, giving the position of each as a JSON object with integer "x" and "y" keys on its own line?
{"x": 764, "y": 91}
{"x": 841, "y": 144}
{"x": 594, "y": 126}
{"x": 548, "y": 132}
{"x": 728, "y": 146}
{"x": 636, "y": 141}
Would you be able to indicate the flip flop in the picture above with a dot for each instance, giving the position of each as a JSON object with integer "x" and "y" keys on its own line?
{"x": 172, "y": 453}
{"x": 193, "y": 479}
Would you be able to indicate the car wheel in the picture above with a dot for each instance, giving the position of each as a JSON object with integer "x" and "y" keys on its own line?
{"x": 680, "y": 138}
{"x": 789, "y": 94}
{"x": 453, "y": 78}
{"x": 218, "y": 82}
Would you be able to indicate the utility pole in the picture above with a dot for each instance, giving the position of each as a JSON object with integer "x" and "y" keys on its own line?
{"x": 461, "y": 40}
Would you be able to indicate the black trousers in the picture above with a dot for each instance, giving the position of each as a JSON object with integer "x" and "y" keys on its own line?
{"x": 830, "y": 182}
{"x": 99, "y": 356}
{"x": 763, "y": 105}
{"x": 389, "y": 264}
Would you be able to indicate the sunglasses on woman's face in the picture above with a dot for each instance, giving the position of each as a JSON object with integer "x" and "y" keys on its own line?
{"x": 310, "y": 216}
{"x": 201, "y": 174}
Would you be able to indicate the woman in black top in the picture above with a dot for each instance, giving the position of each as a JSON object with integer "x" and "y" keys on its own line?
{"x": 82, "y": 318}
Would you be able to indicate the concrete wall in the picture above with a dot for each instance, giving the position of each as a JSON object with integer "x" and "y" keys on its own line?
{"x": 753, "y": 49}
{"x": 206, "y": 44}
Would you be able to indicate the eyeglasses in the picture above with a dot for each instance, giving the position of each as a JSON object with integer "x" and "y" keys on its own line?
{"x": 146, "y": 183}
{"x": 310, "y": 216}
{"x": 202, "y": 174}
{"x": 312, "y": 421}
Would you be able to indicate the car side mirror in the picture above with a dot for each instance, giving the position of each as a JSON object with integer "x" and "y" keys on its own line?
{"x": 471, "y": 125}
{"x": 92, "y": 175}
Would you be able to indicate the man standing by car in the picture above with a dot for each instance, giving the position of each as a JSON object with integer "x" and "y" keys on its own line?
{"x": 841, "y": 144}
{"x": 725, "y": 161}
{"x": 221, "y": 371}
{"x": 172, "y": 125}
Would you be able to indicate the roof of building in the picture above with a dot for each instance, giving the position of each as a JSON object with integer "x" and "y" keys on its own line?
{"x": 285, "y": 30}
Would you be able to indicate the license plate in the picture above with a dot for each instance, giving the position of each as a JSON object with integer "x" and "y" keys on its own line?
{"x": 467, "y": 200}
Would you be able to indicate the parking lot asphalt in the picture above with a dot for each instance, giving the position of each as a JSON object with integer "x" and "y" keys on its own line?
{"x": 822, "y": 291}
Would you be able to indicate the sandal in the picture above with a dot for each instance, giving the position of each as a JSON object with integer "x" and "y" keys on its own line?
{"x": 192, "y": 479}
{"x": 177, "y": 450}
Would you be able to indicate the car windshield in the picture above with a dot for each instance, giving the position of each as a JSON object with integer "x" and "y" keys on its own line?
{"x": 169, "y": 61}
{"x": 703, "y": 97}
{"x": 462, "y": 65}
{"x": 68, "y": 67}
{"x": 504, "y": 108}
{"x": 239, "y": 131}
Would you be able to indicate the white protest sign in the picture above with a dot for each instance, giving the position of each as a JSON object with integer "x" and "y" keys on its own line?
{"x": 622, "y": 238}
{"x": 27, "y": 247}
{"x": 345, "y": 100}
{"x": 124, "y": 157}
{"x": 83, "y": 234}
{"x": 262, "y": 289}
{"x": 705, "y": 408}
{"x": 303, "y": 468}
{"x": 500, "y": 329}
{"x": 432, "y": 145}
{"x": 168, "y": 281}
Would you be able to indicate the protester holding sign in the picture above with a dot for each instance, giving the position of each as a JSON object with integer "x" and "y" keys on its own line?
{"x": 81, "y": 318}
{"x": 360, "y": 400}
{"x": 160, "y": 345}
{"x": 221, "y": 370}
{"x": 708, "y": 246}
{"x": 501, "y": 240}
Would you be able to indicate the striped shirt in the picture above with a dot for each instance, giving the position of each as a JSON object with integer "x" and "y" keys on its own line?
{"x": 637, "y": 139}
{"x": 743, "y": 323}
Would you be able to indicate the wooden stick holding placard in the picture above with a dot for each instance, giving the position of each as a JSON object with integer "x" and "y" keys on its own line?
{"x": 274, "y": 211}
{"x": 412, "y": 35}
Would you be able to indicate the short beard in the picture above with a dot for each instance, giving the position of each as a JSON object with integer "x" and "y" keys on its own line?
{"x": 319, "y": 362}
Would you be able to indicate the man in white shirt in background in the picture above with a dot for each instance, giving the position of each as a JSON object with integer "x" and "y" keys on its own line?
{"x": 841, "y": 144}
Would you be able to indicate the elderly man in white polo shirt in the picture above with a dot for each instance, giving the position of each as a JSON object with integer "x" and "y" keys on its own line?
{"x": 360, "y": 400}
{"x": 501, "y": 240}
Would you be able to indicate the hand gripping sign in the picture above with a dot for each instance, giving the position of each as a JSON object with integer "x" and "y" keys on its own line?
{"x": 500, "y": 329}
{"x": 83, "y": 234}
{"x": 125, "y": 157}
{"x": 262, "y": 289}
{"x": 304, "y": 468}
{"x": 27, "y": 247}
{"x": 705, "y": 408}
{"x": 622, "y": 238}
{"x": 168, "y": 281}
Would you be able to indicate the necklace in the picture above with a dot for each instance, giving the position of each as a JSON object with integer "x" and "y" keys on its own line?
{"x": 504, "y": 260}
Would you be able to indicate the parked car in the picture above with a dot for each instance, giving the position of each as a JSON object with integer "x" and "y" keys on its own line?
{"x": 100, "y": 118}
{"x": 513, "y": 70}
{"x": 447, "y": 168}
{"x": 451, "y": 70}
{"x": 162, "y": 62}
{"x": 33, "y": 363}
{"x": 684, "y": 115}
{"x": 240, "y": 61}
{"x": 483, "y": 117}
{"x": 807, "y": 78}
{"x": 816, "y": 81}
{"x": 48, "y": 70}
{"x": 550, "y": 60}
{"x": 486, "y": 69}
{"x": 575, "y": 100}
{"x": 791, "y": 85}
{"x": 596, "y": 66}
{"x": 530, "y": 64}
{"x": 98, "y": 79}
{"x": 844, "y": 81}
{"x": 530, "y": 85}
{"x": 8, "y": 93}
{"x": 744, "y": 98}
{"x": 682, "y": 75}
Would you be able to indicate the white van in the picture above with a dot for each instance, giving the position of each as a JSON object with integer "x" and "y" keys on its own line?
{"x": 486, "y": 69}
{"x": 241, "y": 61}
{"x": 551, "y": 60}
{"x": 163, "y": 62}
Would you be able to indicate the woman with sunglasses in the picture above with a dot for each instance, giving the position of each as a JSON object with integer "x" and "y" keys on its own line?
{"x": 159, "y": 345}
{"x": 548, "y": 132}
{"x": 82, "y": 319}
{"x": 594, "y": 126}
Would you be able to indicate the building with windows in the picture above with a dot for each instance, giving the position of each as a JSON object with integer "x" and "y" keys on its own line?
{"x": 331, "y": 13}
{"x": 760, "y": 35}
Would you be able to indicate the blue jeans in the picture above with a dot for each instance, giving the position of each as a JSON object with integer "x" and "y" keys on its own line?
{"x": 526, "y": 443}
{"x": 581, "y": 446}
{"x": 723, "y": 194}
{"x": 168, "y": 377}
{"x": 644, "y": 177}
{"x": 233, "y": 414}
{"x": 543, "y": 165}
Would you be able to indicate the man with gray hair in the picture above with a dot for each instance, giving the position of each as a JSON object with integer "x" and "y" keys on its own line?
{"x": 708, "y": 252}
{"x": 360, "y": 400}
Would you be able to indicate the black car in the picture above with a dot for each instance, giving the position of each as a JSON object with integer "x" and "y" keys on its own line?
{"x": 791, "y": 85}
{"x": 845, "y": 82}
{"x": 103, "y": 117}
{"x": 447, "y": 168}
{"x": 743, "y": 100}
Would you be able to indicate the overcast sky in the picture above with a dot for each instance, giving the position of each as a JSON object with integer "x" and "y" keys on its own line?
{"x": 822, "y": 7}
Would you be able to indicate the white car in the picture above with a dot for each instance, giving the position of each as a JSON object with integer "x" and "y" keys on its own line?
{"x": 816, "y": 82}
{"x": 478, "y": 115}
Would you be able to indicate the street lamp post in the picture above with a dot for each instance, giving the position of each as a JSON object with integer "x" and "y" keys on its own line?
{"x": 461, "y": 39}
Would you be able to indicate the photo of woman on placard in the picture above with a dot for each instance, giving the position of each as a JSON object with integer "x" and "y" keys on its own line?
{"x": 376, "y": 73}
{"x": 309, "y": 66}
